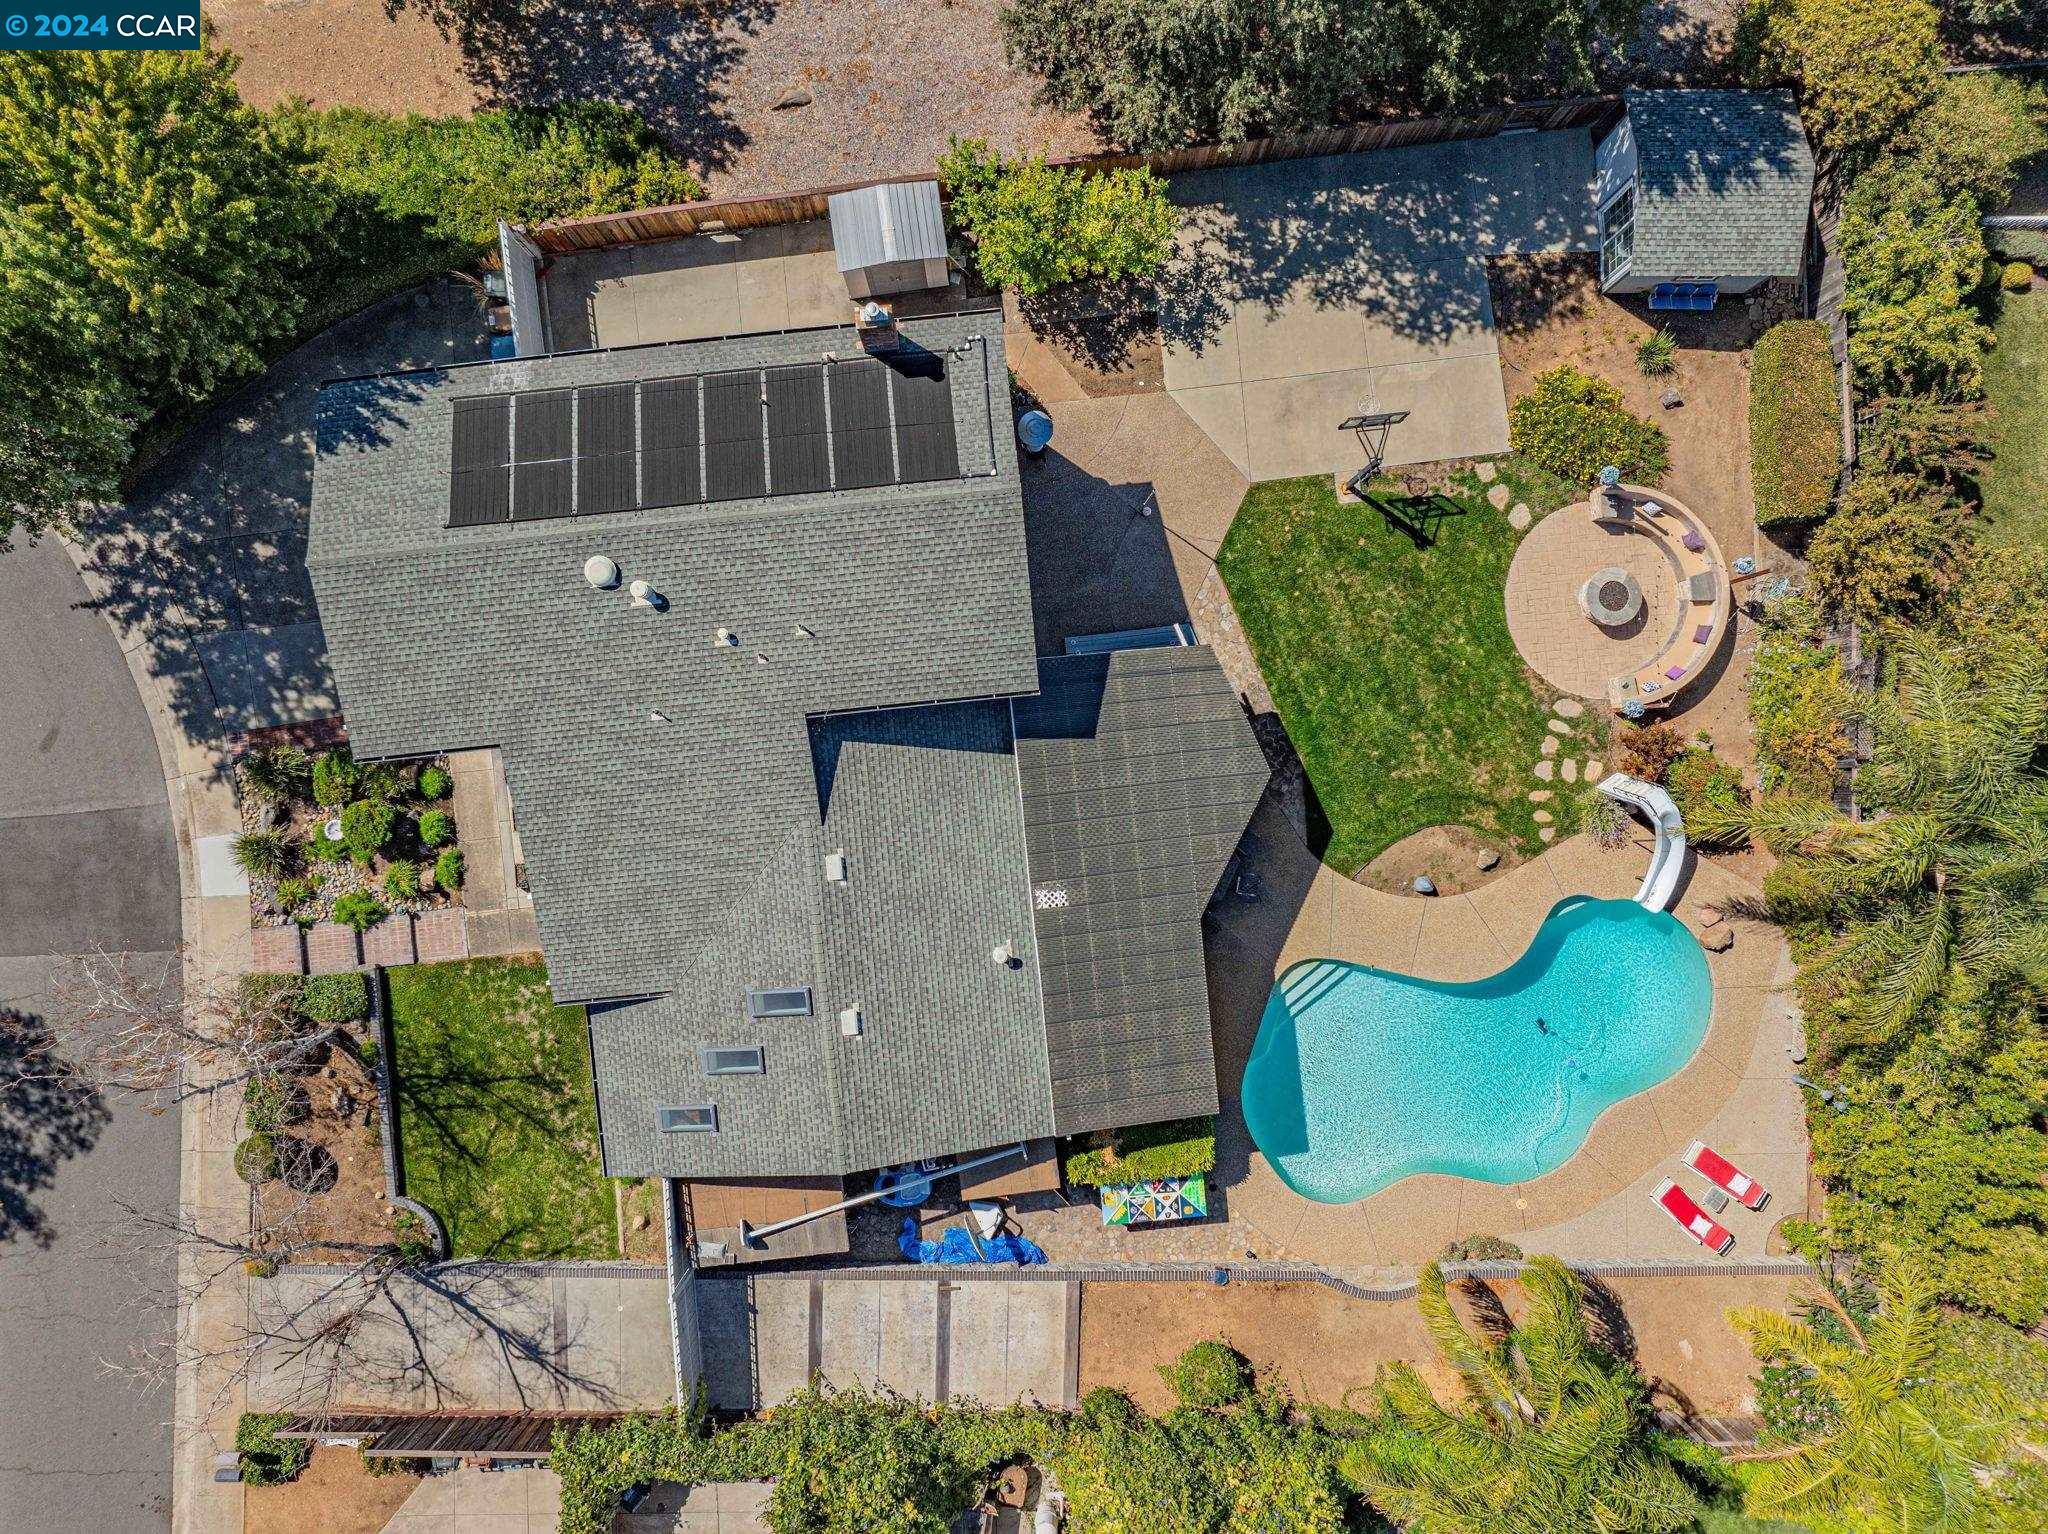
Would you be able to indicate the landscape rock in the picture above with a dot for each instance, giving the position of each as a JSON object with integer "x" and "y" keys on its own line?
{"x": 794, "y": 97}
{"x": 1497, "y": 497}
{"x": 1520, "y": 518}
{"x": 1424, "y": 885}
{"x": 1669, "y": 399}
{"x": 1489, "y": 859}
{"x": 1718, "y": 939}
{"x": 641, "y": 1222}
{"x": 1486, "y": 472}
{"x": 1568, "y": 708}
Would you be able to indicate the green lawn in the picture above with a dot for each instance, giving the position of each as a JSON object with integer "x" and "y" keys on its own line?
{"x": 2016, "y": 381}
{"x": 1391, "y": 664}
{"x": 496, "y": 1117}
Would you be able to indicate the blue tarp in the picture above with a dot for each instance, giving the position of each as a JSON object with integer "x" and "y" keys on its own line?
{"x": 955, "y": 1245}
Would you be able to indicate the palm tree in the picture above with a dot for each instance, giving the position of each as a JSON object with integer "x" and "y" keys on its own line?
{"x": 1914, "y": 1438}
{"x": 1949, "y": 880}
{"x": 1551, "y": 1439}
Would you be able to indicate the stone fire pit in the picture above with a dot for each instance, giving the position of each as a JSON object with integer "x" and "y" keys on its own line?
{"x": 1611, "y": 597}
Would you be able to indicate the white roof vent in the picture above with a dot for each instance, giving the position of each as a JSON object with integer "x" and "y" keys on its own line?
{"x": 1005, "y": 954}
{"x": 850, "y": 1023}
{"x": 835, "y": 867}
{"x": 603, "y": 572}
{"x": 725, "y": 637}
{"x": 645, "y": 595}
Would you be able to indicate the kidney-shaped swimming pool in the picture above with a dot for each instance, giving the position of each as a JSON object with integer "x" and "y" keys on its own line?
{"x": 1361, "y": 1077}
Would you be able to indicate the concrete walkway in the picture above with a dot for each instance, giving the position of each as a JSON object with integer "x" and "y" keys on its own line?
{"x": 1306, "y": 291}
{"x": 989, "y": 1340}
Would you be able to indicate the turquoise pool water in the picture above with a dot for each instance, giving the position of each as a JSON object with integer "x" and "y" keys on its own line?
{"x": 1360, "y": 1077}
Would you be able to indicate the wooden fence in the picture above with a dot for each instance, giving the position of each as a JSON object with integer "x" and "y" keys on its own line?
{"x": 568, "y": 235}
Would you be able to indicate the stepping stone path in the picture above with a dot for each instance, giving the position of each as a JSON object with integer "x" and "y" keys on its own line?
{"x": 1570, "y": 771}
{"x": 1542, "y": 817}
{"x": 1546, "y": 833}
{"x": 1497, "y": 497}
{"x": 1550, "y": 745}
{"x": 1593, "y": 772}
{"x": 1538, "y": 795}
{"x": 1545, "y": 769}
{"x": 1520, "y": 518}
{"x": 1559, "y": 727}
{"x": 1568, "y": 708}
{"x": 1486, "y": 472}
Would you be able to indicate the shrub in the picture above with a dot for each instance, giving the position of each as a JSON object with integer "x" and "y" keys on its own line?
{"x": 272, "y": 1102}
{"x": 1911, "y": 257}
{"x": 1936, "y": 439}
{"x": 1035, "y": 226}
{"x": 1648, "y": 750}
{"x": 1574, "y": 426}
{"x": 342, "y": 998}
{"x": 296, "y": 894}
{"x": 1657, "y": 354}
{"x": 366, "y": 828}
{"x": 1477, "y": 1248}
{"x": 1795, "y": 422}
{"x": 256, "y": 1159}
{"x": 1798, "y": 700}
{"x": 2016, "y": 277}
{"x": 1890, "y": 550}
{"x": 268, "y": 1460}
{"x": 437, "y": 828}
{"x": 1863, "y": 67}
{"x": 1177, "y": 1148}
{"x": 275, "y": 774}
{"x": 360, "y": 910}
{"x": 334, "y": 777}
{"x": 436, "y": 784}
{"x": 1699, "y": 780}
{"x": 321, "y": 850}
{"x": 262, "y": 854}
{"x": 383, "y": 782}
{"x": 1209, "y": 1374}
{"x": 448, "y": 869}
{"x": 402, "y": 880}
{"x": 1604, "y": 818}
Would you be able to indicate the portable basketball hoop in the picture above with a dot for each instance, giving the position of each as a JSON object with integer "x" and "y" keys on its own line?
{"x": 1372, "y": 436}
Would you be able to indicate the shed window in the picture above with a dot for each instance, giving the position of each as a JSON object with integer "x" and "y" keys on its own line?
{"x": 1618, "y": 234}
{"x": 738, "y": 1061}
{"x": 794, "y": 1002}
{"x": 697, "y": 1118}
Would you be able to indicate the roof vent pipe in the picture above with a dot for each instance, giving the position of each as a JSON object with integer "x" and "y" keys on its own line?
{"x": 725, "y": 637}
{"x": 601, "y": 572}
{"x": 646, "y": 596}
{"x": 1005, "y": 955}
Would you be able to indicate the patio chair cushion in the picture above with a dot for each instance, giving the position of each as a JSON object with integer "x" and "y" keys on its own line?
{"x": 1674, "y": 672}
{"x": 1703, "y": 633}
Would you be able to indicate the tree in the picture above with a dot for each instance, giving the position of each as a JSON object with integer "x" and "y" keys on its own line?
{"x": 1155, "y": 76}
{"x": 1552, "y": 1438}
{"x": 148, "y": 214}
{"x": 1946, "y": 883}
{"x": 1892, "y": 547}
{"x": 1915, "y": 1435}
{"x": 1936, "y": 439}
{"x": 1910, "y": 257}
{"x": 1862, "y": 67}
{"x": 1035, "y": 227}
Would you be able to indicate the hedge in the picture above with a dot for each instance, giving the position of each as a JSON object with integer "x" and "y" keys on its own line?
{"x": 268, "y": 1460}
{"x": 1177, "y": 1148}
{"x": 1795, "y": 423}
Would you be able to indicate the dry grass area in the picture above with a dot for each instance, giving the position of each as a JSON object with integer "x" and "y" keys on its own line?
{"x": 707, "y": 73}
{"x": 334, "y": 1495}
{"x": 642, "y": 1236}
{"x": 1322, "y": 1345}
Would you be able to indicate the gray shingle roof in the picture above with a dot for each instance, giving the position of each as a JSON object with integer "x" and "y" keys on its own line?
{"x": 678, "y": 861}
{"x": 1725, "y": 179}
{"x": 1139, "y": 773}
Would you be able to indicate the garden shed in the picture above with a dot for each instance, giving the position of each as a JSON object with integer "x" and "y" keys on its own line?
{"x": 890, "y": 238}
{"x": 1702, "y": 193}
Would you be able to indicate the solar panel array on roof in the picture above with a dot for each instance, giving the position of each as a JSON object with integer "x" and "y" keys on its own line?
{"x": 717, "y": 437}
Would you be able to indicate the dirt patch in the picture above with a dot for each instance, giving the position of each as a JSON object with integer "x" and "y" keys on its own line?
{"x": 352, "y": 1209}
{"x": 333, "y": 1495}
{"x": 1104, "y": 337}
{"x": 708, "y": 74}
{"x": 1322, "y": 1344}
{"x": 1448, "y": 856}
{"x": 642, "y": 1235}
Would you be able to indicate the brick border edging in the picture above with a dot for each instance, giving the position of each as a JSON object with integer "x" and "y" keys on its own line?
{"x": 511, "y": 1269}
{"x": 387, "y": 1123}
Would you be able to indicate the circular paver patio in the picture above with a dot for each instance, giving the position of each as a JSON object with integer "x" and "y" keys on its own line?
{"x": 1560, "y": 643}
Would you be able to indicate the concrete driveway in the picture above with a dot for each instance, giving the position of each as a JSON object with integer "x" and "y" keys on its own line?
{"x": 1306, "y": 291}
{"x": 89, "y": 857}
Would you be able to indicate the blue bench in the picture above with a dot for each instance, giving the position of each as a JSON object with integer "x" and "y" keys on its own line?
{"x": 1694, "y": 297}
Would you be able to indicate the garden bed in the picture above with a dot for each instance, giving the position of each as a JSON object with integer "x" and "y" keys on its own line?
{"x": 497, "y": 1121}
{"x": 1382, "y": 634}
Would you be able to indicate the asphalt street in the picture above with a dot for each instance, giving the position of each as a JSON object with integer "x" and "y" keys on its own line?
{"x": 87, "y": 859}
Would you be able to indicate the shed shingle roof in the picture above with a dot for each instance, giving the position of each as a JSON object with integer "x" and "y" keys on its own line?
{"x": 1724, "y": 183}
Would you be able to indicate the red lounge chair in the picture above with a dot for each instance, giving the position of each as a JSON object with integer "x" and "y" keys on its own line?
{"x": 1697, "y": 1223}
{"x": 1725, "y": 1175}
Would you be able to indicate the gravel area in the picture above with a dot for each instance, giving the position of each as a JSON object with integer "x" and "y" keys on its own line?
{"x": 889, "y": 81}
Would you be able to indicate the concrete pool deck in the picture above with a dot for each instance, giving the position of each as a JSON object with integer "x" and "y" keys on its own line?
{"x": 1736, "y": 1092}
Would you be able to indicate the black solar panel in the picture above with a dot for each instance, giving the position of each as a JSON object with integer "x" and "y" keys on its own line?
{"x": 925, "y": 448}
{"x": 733, "y": 465}
{"x": 798, "y": 461}
{"x": 541, "y": 489}
{"x": 483, "y": 432}
{"x": 668, "y": 443}
{"x": 477, "y": 496}
{"x": 543, "y": 425}
{"x": 604, "y": 420}
{"x": 863, "y": 450}
{"x": 606, "y": 484}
